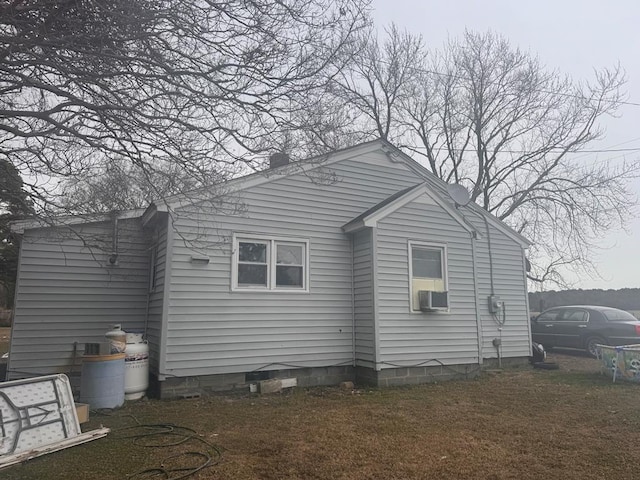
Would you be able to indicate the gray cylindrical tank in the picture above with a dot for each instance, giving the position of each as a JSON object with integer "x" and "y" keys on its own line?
{"x": 136, "y": 370}
{"x": 102, "y": 381}
{"x": 117, "y": 338}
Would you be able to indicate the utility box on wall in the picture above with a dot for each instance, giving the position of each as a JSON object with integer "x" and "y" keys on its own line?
{"x": 495, "y": 304}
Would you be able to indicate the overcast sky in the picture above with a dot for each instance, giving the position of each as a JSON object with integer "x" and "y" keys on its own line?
{"x": 569, "y": 35}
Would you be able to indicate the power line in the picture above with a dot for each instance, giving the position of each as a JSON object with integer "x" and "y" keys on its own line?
{"x": 603, "y": 150}
{"x": 606, "y": 150}
{"x": 581, "y": 97}
{"x": 562, "y": 94}
{"x": 582, "y": 153}
{"x": 611, "y": 147}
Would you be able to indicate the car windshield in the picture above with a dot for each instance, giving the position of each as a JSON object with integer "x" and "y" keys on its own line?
{"x": 618, "y": 316}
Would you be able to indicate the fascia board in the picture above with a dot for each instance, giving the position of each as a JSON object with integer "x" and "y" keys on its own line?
{"x": 353, "y": 226}
{"x": 265, "y": 176}
{"x": 373, "y": 219}
{"x": 523, "y": 241}
{"x": 149, "y": 214}
{"x": 394, "y": 152}
{"x": 20, "y": 226}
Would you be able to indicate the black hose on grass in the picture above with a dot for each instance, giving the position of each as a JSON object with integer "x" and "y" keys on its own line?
{"x": 167, "y": 472}
{"x": 154, "y": 435}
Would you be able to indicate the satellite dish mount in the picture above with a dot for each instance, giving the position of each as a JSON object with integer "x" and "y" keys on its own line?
{"x": 458, "y": 194}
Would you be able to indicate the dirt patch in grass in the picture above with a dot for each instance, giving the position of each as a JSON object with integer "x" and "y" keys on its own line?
{"x": 571, "y": 423}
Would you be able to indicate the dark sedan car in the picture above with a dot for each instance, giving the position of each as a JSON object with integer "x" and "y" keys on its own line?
{"x": 584, "y": 327}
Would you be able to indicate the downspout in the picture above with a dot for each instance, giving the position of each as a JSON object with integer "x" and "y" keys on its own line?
{"x": 146, "y": 314}
{"x": 475, "y": 296}
{"x": 150, "y": 240}
{"x": 163, "y": 373}
{"x": 376, "y": 310}
{"x": 353, "y": 303}
{"x": 150, "y": 290}
{"x": 113, "y": 258}
{"x": 526, "y": 295}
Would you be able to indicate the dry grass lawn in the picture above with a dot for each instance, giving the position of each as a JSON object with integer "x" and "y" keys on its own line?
{"x": 571, "y": 423}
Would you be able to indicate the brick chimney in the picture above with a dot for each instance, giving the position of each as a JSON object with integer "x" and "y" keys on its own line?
{"x": 278, "y": 160}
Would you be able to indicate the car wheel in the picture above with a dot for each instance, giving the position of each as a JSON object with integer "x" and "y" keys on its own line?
{"x": 591, "y": 345}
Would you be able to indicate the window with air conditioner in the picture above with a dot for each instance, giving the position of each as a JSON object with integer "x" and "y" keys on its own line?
{"x": 428, "y": 273}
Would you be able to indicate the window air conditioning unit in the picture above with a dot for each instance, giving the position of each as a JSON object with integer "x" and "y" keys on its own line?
{"x": 433, "y": 301}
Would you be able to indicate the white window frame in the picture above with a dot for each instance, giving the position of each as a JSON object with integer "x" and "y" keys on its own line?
{"x": 444, "y": 266}
{"x": 272, "y": 242}
{"x": 267, "y": 255}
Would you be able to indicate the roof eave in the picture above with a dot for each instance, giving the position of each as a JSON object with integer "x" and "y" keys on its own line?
{"x": 354, "y": 226}
{"x": 20, "y": 226}
{"x": 303, "y": 166}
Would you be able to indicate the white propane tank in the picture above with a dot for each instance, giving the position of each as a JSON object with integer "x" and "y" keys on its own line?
{"x": 136, "y": 366}
{"x": 117, "y": 338}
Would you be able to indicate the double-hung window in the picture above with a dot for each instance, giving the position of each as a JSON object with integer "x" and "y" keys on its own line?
{"x": 290, "y": 264}
{"x": 252, "y": 264}
{"x": 427, "y": 270}
{"x": 269, "y": 263}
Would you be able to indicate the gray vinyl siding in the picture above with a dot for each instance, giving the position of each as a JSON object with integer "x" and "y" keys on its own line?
{"x": 509, "y": 281}
{"x": 416, "y": 338}
{"x": 510, "y": 284}
{"x": 356, "y": 310}
{"x": 213, "y": 330}
{"x": 157, "y": 307}
{"x": 66, "y": 294}
{"x": 363, "y": 298}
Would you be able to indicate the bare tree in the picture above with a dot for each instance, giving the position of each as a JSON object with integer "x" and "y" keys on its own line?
{"x": 362, "y": 100}
{"x": 492, "y": 117}
{"x": 373, "y": 87}
{"x": 14, "y": 202}
{"x": 185, "y": 83}
{"x": 118, "y": 185}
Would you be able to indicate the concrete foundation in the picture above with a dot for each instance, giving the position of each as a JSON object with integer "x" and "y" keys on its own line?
{"x": 182, "y": 387}
{"x": 508, "y": 363}
{"x": 393, "y": 377}
{"x": 186, "y": 387}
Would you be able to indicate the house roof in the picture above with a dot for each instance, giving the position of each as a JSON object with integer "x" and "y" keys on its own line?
{"x": 440, "y": 186}
{"x": 431, "y": 185}
{"x": 398, "y": 200}
{"x": 19, "y": 226}
{"x": 437, "y": 186}
{"x": 268, "y": 175}
{"x": 382, "y": 204}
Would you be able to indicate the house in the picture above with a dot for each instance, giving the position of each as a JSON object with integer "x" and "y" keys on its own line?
{"x": 357, "y": 265}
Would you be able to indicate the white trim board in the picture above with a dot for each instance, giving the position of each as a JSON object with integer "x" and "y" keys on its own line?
{"x": 376, "y": 215}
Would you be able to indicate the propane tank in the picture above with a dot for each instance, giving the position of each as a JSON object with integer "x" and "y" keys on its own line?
{"x": 117, "y": 338}
{"x": 136, "y": 366}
